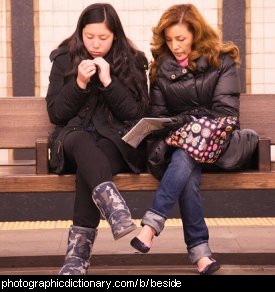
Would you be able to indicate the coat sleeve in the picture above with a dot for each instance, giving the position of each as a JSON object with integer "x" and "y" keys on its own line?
{"x": 64, "y": 98}
{"x": 158, "y": 105}
{"x": 226, "y": 98}
{"x": 122, "y": 101}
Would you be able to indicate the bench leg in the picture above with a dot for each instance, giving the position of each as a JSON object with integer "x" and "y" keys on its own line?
{"x": 114, "y": 209}
{"x": 80, "y": 244}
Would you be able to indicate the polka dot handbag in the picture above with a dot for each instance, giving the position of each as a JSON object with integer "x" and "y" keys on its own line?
{"x": 203, "y": 138}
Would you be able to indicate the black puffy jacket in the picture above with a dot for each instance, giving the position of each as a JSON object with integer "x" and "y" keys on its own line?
{"x": 212, "y": 92}
{"x": 71, "y": 108}
{"x": 207, "y": 91}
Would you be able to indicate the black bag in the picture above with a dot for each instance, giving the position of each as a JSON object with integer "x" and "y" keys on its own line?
{"x": 239, "y": 150}
{"x": 158, "y": 157}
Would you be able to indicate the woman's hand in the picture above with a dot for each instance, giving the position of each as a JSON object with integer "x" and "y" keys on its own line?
{"x": 103, "y": 68}
{"x": 86, "y": 70}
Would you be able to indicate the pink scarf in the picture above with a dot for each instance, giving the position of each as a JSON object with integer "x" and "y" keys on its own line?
{"x": 184, "y": 63}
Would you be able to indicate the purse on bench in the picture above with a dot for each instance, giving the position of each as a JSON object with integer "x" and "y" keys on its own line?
{"x": 203, "y": 138}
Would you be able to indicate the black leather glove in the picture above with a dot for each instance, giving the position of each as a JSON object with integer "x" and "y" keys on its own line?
{"x": 177, "y": 121}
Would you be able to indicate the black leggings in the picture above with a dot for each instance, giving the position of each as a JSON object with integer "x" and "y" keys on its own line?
{"x": 95, "y": 160}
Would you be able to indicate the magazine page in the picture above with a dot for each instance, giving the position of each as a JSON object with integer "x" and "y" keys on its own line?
{"x": 143, "y": 128}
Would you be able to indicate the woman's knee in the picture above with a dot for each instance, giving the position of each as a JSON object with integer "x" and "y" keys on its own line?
{"x": 77, "y": 139}
{"x": 180, "y": 157}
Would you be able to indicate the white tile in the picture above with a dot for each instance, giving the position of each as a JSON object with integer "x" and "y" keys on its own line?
{"x": 150, "y": 4}
{"x": 124, "y": 17}
{"x": 135, "y": 5}
{"x": 211, "y": 4}
{"x": 46, "y": 18}
{"x": 257, "y": 3}
{"x": 257, "y": 61}
{"x": 257, "y": 88}
{"x": 257, "y": 30}
{"x": 211, "y": 16}
{"x": 45, "y": 64}
{"x": 257, "y": 46}
{"x": 60, "y": 18}
{"x": 60, "y": 33}
{"x": 73, "y": 17}
{"x": 136, "y": 18}
{"x": 269, "y": 30}
{"x": 163, "y": 5}
{"x": 269, "y": 14}
{"x": 257, "y": 15}
{"x": 147, "y": 33}
{"x": 3, "y": 80}
{"x": 136, "y": 33}
{"x": 269, "y": 89}
{"x": 3, "y": 65}
{"x": 3, "y": 92}
{"x": 46, "y": 33}
{"x": 60, "y": 5}
{"x": 119, "y": 5}
{"x": 44, "y": 79}
{"x": 43, "y": 91}
{"x": 269, "y": 61}
{"x": 269, "y": 3}
{"x": 269, "y": 76}
{"x": 273, "y": 153}
{"x": 269, "y": 45}
{"x": 45, "y": 5}
{"x": 257, "y": 76}
{"x": 151, "y": 18}
{"x": 74, "y": 5}
{"x": 3, "y": 153}
{"x": 46, "y": 48}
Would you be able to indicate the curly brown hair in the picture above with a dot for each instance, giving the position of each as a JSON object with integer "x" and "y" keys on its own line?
{"x": 206, "y": 41}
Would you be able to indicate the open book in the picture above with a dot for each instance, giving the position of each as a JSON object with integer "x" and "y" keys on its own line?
{"x": 143, "y": 128}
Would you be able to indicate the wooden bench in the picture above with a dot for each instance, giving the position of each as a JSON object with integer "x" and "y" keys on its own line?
{"x": 24, "y": 124}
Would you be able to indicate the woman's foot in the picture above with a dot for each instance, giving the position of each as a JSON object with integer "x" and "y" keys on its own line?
{"x": 143, "y": 241}
{"x": 207, "y": 266}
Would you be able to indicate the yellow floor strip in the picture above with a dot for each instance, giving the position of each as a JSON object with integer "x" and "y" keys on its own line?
{"x": 211, "y": 222}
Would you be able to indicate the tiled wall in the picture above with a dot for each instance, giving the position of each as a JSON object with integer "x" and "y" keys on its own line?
{"x": 3, "y": 67}
{"x": 58, "y": 19}
{"x": 3, "y": 50}
{"x": 262, "y": 46}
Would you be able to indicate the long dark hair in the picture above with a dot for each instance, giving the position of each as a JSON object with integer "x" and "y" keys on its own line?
{"x": 125, "y": 60}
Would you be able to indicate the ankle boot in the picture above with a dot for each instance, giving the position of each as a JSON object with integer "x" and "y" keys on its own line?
{"x": 80, "y": 243}
{"x": 114, "y": 209}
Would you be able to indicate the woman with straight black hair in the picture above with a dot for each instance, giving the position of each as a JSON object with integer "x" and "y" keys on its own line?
{"x": 98, "y": 85}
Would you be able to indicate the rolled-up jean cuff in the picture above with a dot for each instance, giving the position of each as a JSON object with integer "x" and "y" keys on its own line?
{"x": 198, "y": 252}
{"x": 154, "y": 220}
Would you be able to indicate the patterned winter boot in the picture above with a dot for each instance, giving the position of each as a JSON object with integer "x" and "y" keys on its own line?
{"x": 80, "y": 243}
{"x": 114, "y": 209}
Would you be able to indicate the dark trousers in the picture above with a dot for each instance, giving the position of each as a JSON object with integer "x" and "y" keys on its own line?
{"x": 95, "y": 160}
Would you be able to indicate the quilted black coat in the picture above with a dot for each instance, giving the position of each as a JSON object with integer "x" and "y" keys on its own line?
{"x": 208, "y": 91}
{"x": 71, "y": 108}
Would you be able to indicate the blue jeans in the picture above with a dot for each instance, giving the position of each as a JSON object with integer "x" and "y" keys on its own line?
{"x": 181, "y": 182}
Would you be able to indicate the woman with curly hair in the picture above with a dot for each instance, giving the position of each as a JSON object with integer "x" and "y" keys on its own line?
{"x": 193, "y": 74}
{"x": 98, "y": 82}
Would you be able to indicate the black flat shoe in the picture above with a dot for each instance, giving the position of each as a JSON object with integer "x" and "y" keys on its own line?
{"x": 139, "y": 245}
{"x": 210, "y": 269}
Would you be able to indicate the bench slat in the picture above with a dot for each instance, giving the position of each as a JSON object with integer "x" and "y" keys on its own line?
{"x": 24, "y": 119}
{"x": 130, "y": 182}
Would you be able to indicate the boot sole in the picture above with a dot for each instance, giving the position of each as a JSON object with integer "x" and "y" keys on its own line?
{"x": 125, "y": 232}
